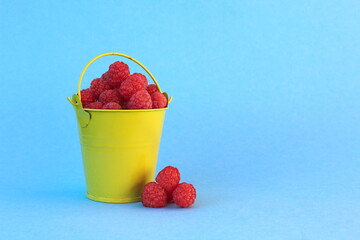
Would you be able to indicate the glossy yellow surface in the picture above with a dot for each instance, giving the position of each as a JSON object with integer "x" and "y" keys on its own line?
{"x": 119, "y": 148}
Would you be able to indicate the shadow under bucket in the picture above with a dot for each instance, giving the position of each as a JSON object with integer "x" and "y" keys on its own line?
{"x": 119, "y": 147}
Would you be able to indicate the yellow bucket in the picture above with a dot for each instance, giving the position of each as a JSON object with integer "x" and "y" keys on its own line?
{"x": 119, "y": 147}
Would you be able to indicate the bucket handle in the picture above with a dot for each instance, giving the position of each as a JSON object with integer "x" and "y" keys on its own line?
{"x": 118, "y": 54}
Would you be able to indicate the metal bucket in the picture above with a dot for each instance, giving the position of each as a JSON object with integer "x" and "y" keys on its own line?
{"x": 119, "y": 147}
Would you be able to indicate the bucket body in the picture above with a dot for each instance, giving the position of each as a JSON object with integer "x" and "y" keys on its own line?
{"x": 119, "y": 151}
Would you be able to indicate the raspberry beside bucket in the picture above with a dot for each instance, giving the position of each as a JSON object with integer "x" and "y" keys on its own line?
{"x": 168, "y": 178}
{"x": 153, "y": 196}
{"x": 183, "y": 194}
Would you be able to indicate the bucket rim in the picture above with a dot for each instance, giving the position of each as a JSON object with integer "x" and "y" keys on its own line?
{"x": 126, "y": 110}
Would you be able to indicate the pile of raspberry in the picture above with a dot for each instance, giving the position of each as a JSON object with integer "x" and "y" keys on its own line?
{"x": 118, "y": 89}
{"x": 167, "y": 189}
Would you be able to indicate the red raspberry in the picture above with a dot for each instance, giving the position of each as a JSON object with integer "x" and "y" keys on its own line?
{"x": 168, "y": 178}
{"x": 135, "y": 82}
{"x": 112, "y": 105}
{"x": 87, "y": 96}
{"x": 158, "y": 100}
{"x": 140, "y": 100}
{"x": 98, "y": 86}
{"x": 117, "y": 73}
{"x": 184, "y": 195}
{"x": 152, "y": 88}
{"x": 110, "y": 96}
{"x": 94, "y": 105}
{"x": 153, "y": 196}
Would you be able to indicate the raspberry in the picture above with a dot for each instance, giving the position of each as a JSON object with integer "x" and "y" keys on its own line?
{"x": 152, "y": 88}
{"x": 168, "y": 178}
{"x": 110, "y": 96}
{"x": 112, "y": 105}
{"x": 140, "y": 100}
{"x": 135, "y": 82}
{"x": 184, "y": 195}
{"x": 87, "y": 96}
{"x": 98, "y": 86}
{"x": 117, "y": 73}
{"x": 158, "y": 100}
{"x": 94, "y": 105}
{"x": 153, "y": 196}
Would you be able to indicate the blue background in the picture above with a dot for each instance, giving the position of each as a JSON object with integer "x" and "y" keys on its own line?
{"x": 265, "y": 120}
